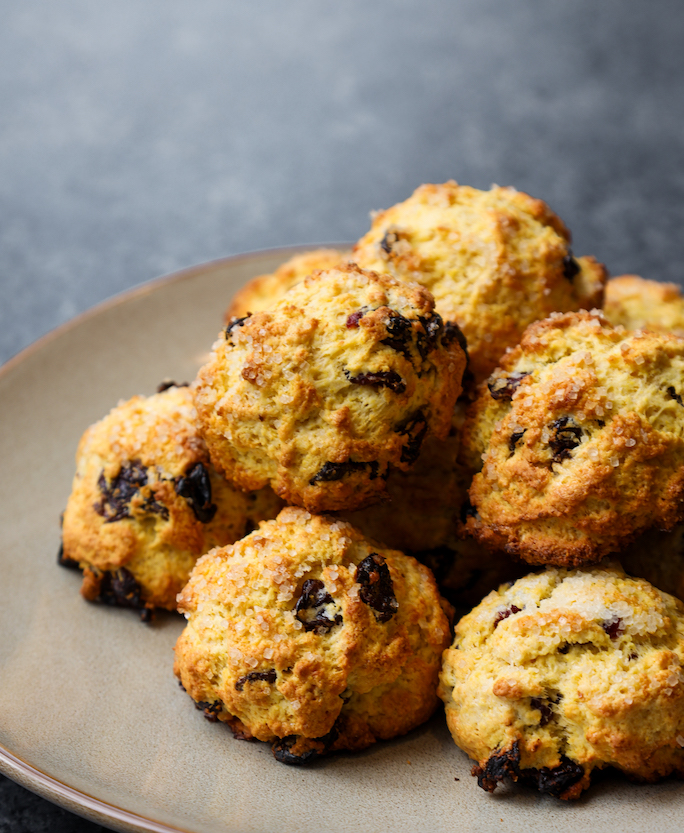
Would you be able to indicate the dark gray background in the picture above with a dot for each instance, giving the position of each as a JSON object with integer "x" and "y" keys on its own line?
{"x": 141, "y": 136}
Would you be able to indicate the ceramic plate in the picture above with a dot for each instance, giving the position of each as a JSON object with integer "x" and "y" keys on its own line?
{"x": 91, "y": 715}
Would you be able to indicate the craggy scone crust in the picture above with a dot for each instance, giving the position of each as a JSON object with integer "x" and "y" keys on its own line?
{"x": 495, "y": 261}
{"x": 263, "y": 291}
{"x": 579, "y": 436}
{"x": 310, "y": 636}
{"x": 146, "y": 503}
{"x": 564, "y": 672}
{"x": 639, "y": 304}
{"x": 318, "y": 396}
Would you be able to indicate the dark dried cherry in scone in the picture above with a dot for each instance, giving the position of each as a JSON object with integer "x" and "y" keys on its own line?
{"x": 427, "y": 340}
{"x": 672, "y": 393}
{"x": 556, "y": 780}
{"x": 503, "y": 387}
{"x": 515, "y": 438}
{"x": 567, "y": 435}
{"x": 388, "y": 241}
{"x": 571, "y": 267}
{"x": 195, "y": 487}
{"x": 553, "y": 781}
{"x": 504, "y": 614}
{"x": 118, "y": 493}
{"x": 613, "y": 627}
{"x": 253, "y": 676}
{"x": 297, "y": 750}
{"x": 543, "y": 707}
{"x": 119, "y": 588}
{"x": 452, "y": 332}
{"x": 382, "y": 379}
{"x": 399, "y": 333}
{"x": 234, "y": 323}
{"x": 311, "y": 608}
{"x": 330, "y": 472}
{"x": 354, "y": 318}
{"x": 211, "y": 710}
{"x": 169, "y": 383}
{"x": 377, "y": 590}
{"x": 498, "y": 767}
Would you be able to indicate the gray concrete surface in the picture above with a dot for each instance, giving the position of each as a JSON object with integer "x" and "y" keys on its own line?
{"x": 140, "y": 137}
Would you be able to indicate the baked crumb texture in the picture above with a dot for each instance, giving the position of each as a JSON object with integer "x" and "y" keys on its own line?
{"x": 565, "y": 672}
{"x": 578, "y": 435}
{"x": 146, "y": 503}
{"x": 319, "y": 396}
{"x": 639, "y": 304}
{"x": 495, "y": 261}
{"x": 263, "y": 291}
{"x": 311, "y": 637}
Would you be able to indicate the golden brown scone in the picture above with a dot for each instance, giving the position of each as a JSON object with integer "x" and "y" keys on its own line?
{"x": 580, "y": 431}
{"x": 565, "y": 672}
{"x": 307, "y": 635}
{"x": 495, "y": 261}
{"x": 263, "y": 291}
{"x": 146, "y": 503}
{"x": 318, "y": 396}
{"x": 638, "y": 304}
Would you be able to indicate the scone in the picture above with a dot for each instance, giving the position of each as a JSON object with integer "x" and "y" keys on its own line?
{"x": 423, "y": 515}
{"x": 309, "y": 636}
{"x": 566, "y": 672}
{"x": 495, "y": 261}
{"x": 639, "y": 304}
{"x": 146, "y": 503}
{"x": 319, "y": 396}
{"x": 263, "y": 291}
{"x": 579, "y": 435}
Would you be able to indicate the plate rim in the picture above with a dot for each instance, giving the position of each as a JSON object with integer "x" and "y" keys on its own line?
{"x": 12, "y": 766}
{"x": 146, "y": 287}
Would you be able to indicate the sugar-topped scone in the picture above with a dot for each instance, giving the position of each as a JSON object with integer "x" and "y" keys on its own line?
{"x": 565, "y": 672}
{"x": 309, "y": 636}
{"x": 639, "y": 304}
{"x": 146, "y": 503}
{"x": 263, "y": 291}
{"x": 320, "y": 395}
{"x": 579, "y": 435}
{"x": 495, "y": 261}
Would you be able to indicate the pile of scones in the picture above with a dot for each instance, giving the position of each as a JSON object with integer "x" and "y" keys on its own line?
{"x": 446, "y": 464}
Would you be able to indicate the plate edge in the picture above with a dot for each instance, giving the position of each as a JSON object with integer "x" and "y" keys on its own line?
{"x": 149, "y": 286}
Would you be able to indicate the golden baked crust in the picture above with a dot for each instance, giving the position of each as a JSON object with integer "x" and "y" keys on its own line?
{"x": 146, "y": 503}
{"x": 581, "y": 432}
{"x": 566, "y": 672}
{"x": 638, "y": 304}
{"x": 263, "y": 291}
{"x": 495, "y": 261}
{"x": 342, "y": 378}
{"x": 308, "y": 635}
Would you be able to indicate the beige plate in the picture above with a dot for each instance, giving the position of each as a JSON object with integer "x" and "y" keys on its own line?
{"x": 91, "y": 716}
